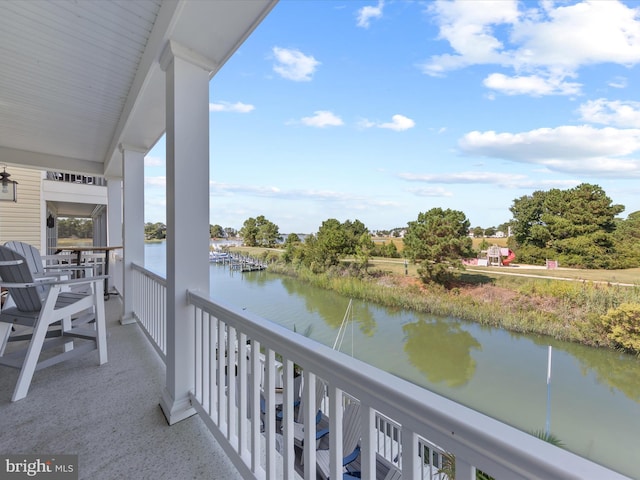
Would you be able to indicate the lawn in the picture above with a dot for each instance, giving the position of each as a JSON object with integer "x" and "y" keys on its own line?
{"x": 629, "y": 275}
{"x": 397, "y": 266}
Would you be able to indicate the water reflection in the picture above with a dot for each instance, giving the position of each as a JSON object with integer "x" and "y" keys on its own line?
{"x": 441, "y": 350}
{"x": 617, "y": 371}
{"x": 332, "y": 312}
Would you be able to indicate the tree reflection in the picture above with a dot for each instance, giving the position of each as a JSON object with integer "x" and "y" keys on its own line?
{"x": 441, "y": 350}
{"x": 331, "y": 306}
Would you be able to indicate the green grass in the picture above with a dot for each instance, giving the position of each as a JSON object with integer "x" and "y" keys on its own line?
{"x": 74, "y": 242}
{"x": 629, "y": 275}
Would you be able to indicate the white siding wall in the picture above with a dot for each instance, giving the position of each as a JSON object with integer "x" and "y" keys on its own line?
{"x": 21, "y": 220}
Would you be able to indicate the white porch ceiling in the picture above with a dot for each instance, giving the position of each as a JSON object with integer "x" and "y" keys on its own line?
{"x": 80, "y": 77}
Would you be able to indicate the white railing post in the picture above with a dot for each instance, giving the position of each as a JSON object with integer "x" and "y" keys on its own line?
{"x": 242, "y": 395}
{"x": 310, "y": 409}
{"x": 288, "y": 455}
{"x": 231, "y": 383}
{"x": 214, "y": 385}
{"x": 270, "y": 424}
{"x": 255, "y": 407}
{"x": 368, "y": 442}
{"x": 221, "y": 362}
{"x": 205, "y": 347}
{"x": 198, "y": 355}
{"x": 464, "y": 471}
{"x": 411, "y": 468}
{"x": 336, "y": 406}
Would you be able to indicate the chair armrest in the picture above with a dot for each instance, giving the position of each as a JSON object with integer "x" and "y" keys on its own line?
{"x": 352, "y": 456}
{"x": 53, "y": 281}
{"x": 73, "y": 281}
{"x": 21, "y": 285}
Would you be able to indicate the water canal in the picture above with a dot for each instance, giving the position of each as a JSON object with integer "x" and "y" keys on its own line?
{"x": 595, "y": 394}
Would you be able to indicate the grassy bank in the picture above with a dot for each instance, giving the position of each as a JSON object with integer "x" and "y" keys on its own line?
{"x": 569, "y": 311}
{"x": 566, "y": 304}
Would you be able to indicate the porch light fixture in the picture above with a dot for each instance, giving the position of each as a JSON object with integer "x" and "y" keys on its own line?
{"x": 8, "y": 188}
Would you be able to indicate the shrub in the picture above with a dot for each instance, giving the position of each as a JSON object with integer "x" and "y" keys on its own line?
{"x": 622, "y": 326}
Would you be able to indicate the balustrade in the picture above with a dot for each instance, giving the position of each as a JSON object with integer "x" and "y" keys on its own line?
{"x": 407, "y": 432}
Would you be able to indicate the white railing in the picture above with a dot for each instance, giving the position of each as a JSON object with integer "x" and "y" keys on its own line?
{"x": 150, "y": 306}
{"x": 406, "y": 431}
{"x": 423, "y": 425}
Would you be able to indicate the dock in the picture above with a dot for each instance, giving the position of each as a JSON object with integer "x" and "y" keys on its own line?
{"x": 236, "y": 261}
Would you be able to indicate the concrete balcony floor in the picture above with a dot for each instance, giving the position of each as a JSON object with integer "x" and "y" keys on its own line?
{"x": 109, "y": 415}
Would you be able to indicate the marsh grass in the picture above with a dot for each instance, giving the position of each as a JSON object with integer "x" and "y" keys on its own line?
{"x": 568, "y": 311}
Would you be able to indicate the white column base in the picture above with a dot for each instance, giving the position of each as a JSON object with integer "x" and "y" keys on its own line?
{"x": 175, "y": 410}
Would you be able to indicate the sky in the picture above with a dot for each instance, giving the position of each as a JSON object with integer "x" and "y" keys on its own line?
{"x": 378, "y": 111}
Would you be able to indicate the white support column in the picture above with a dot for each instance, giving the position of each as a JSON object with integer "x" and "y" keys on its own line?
{"x": 114, "y": 229}
{"x": 132, "y": 224}
{"x": 187, "y": 145}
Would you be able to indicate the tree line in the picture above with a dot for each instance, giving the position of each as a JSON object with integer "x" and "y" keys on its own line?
{"x": 75, "y": 227}
{"x": 578, "y": 227}
{"x": 158, "y": 231}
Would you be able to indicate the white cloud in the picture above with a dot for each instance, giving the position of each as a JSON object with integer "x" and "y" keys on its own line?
{"x": 155, "y": 181}
{"x": 497, "y": 178}
{"x": 544, "y": 45}
{"x": 570, "y": 149}
{"x": 398, "y": 123}
{"x": 365, "y": 14}
{"x": 237, "y": 107}
{"x": 321, "y": 119}
{"x": 431, "y": 192}
{"x": 618, "y": 82}
{"x": 294, "y": 65}
{"x": 223, "y": 189}
{"x": 467, "y": 26}
{"x": 532, "y": 85}
{"x": 501, "y": 179}
{"x": 153, "y": 161}
{"x": 568, "y": 36}
{"x": 611, "y": 112}
{"x": 229, "y": 189}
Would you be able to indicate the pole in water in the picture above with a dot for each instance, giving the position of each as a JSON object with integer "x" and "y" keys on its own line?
{"x": 548, "y": 422}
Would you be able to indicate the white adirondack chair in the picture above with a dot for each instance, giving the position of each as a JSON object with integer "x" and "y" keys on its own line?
{"x": 320, "y": 421}
{"x": 48, "y": 265}
{"x": 74, "y": 321}
{"x": 351, "y": 433}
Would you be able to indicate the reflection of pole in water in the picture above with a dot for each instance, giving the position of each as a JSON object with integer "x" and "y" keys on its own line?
{"x": 348, "y": 317}
{"x": 548, "y": 392}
